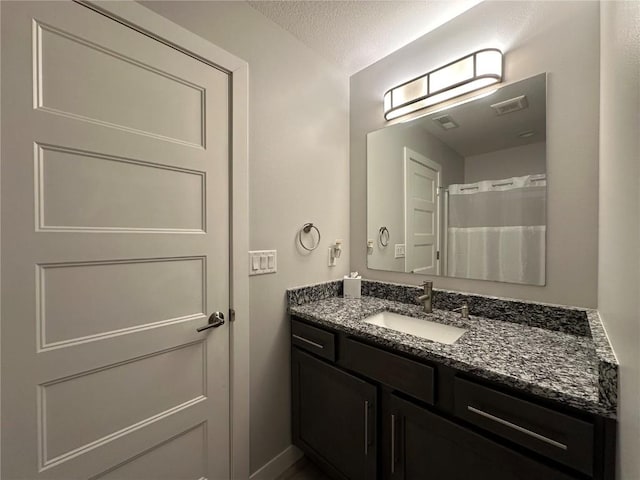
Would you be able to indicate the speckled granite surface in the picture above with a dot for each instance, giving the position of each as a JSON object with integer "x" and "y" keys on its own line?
{"x": 607, "y": 362}
{"x": 312, "y": 293}
{"x": 574, "y": 368}
{"x": 549, "y": 317}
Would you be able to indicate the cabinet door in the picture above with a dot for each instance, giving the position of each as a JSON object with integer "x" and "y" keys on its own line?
{"x": 334, "y": 417}
{"x": 425, "y": 446}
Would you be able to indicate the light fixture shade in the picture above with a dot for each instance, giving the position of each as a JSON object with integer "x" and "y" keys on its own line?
{"x": 469, "y": 73}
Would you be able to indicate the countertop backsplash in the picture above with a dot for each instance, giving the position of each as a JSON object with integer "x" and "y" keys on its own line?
{"x": 314, "y": 292}
{"x": 563, "y": 319}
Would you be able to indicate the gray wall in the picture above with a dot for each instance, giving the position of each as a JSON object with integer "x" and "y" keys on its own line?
{"x": 619, "y": 257}
{"x": 510, "y": 162}
{"x": 385, "y": 184}
{"x": 299, "y": 172}
{"x": 561, "y": 38}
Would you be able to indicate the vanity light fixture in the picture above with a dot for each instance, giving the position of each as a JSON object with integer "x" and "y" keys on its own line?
{"x": 469, "y": 73}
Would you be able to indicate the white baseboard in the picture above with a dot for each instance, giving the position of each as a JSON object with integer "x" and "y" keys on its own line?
{"x": 278, "y": 464}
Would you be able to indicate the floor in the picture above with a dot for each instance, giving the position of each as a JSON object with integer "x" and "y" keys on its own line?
{"x": 303, "y": 470}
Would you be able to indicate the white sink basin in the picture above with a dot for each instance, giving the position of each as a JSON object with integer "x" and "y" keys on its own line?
{"x": 417, "y": 326}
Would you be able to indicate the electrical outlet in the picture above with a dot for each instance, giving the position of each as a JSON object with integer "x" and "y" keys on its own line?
{"x": 399, "y": 250}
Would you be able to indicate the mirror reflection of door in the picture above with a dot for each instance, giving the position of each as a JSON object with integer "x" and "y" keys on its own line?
{"x": 422, "y": 213}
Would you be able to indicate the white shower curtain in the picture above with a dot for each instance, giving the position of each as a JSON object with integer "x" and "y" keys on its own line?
{"x": 496, "y": 230}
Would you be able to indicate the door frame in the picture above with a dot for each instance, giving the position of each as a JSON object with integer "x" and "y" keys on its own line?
{"x": 159, "y": 28}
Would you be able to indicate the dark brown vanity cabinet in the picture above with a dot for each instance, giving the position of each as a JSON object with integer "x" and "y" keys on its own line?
{"x": 426, "y": 446}
{"x": 366, "y": 413}
{"x": 334, "y": 417}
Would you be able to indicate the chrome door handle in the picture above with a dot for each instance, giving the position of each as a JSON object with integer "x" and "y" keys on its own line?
{"x": 215, "y": 320}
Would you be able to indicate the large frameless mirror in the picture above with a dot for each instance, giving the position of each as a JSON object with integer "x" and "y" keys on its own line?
{"x": 462, "y": 192}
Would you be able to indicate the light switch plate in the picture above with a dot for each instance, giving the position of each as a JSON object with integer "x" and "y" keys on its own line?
{"x": 399, "y": 250}
{"x": 262, "y": 261}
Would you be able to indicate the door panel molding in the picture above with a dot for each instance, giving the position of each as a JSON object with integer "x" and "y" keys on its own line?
{"x": 110, "y": 297}
{"x": 39, "y": 87}
{"x": 44, "y": 413}
{"x": 44, "y": 169}
{"x": 163, "y": 447}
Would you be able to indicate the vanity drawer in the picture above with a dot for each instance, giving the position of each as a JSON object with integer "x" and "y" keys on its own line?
{"x": 314, "y": 340}
{"x": 555, "y": 435}
{"x": 405, "y": 375}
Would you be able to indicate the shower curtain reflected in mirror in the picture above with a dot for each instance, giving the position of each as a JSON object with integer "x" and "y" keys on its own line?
{"x": 496, "y": 230}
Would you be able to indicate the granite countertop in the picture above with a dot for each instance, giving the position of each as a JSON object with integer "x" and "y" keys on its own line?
{"x": 573, "y": 369}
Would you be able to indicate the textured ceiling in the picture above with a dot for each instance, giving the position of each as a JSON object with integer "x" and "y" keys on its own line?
{"x": 355, "y": 34}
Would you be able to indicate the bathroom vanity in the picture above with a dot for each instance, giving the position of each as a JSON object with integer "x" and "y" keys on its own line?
{"x": 528, "y": 391}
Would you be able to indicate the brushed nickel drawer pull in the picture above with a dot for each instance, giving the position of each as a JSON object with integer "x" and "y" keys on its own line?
{"x": 393, "y": 444}
{"x": 302, "y": 339}
{"x": 366, "y": 427}
{"x": 517, "y": 427}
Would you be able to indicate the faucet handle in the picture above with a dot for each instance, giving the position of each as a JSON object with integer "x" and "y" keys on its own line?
{"x": 427, "y": 283}
{"x": 464, "y": 310}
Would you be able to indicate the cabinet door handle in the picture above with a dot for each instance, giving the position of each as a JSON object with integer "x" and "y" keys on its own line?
{"x": 366, "y": 427}
{"x": 393, "y": 444}
{"x": 302, "y": 339}
{"x": 506, "y": 423}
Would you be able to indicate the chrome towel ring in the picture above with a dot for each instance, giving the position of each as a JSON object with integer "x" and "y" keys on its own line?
{"x": 383, "y": 236}
{"x": 306, "y": 228}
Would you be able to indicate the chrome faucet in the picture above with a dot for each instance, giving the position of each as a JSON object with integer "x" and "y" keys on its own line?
{"x": 427, "y": 298}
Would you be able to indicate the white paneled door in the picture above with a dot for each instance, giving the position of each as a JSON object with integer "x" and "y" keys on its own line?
{"x": 422, "y": 219}
{"x": 115, "y": 248}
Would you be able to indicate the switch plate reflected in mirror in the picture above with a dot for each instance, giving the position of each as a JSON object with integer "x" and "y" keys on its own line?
{"x": 464, "y": 189}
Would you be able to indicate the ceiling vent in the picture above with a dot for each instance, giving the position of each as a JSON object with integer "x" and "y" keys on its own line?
{"x": 446, "y": 122}
{"x": 511, "y": 105}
